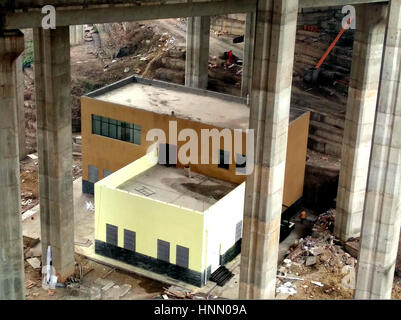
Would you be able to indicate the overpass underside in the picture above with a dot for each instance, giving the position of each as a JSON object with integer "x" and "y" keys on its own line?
{"x": 368, "y": 200}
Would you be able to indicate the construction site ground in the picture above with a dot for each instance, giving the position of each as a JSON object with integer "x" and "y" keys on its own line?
{"x": 90, "y": 71}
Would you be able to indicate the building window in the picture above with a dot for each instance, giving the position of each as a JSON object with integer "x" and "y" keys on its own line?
{"x": 106, "y": 173}
{"x": 238, "y": 231}
{"x": 116, "y": 129}
{"x": 129, "y": 240}
{"x": 240, "y": 164}
{"x": 111, "y": 234}
{"x": 163, "y": 250}
{"x": 224, "y": 159}
{"x": 93, "y": 173}
{"x": 182, "y": 258}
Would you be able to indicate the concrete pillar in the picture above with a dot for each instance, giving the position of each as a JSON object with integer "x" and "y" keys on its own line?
{"x": 269, "y": 116}
{"x": 21, "y": 108}
{"x": 197, "y": 56}
{"x": 361, "y": 107}
{"x": 12, "y": 284}
{"x": 76, "y": 35}
{"x": 73, "y": 36}
{"x": 54, "y": 134}
{"x": 248, "y": 53}
{"x": 381, "y": 223}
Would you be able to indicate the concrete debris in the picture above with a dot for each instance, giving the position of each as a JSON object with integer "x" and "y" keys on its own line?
{"x": 34, "y": 252}
{"x": 83, "y": 243}
{"x": 89, "y": 206}
{"x": 30, "y": 284}
{"x": 175, "y": 292}
{"x": 348, "y": 282}
{"x": 317, "y": 283}
{"x": 104, "y": 284}
{"x": 352, "y": 247}
{"x": 290, "y": 278}
{"x": 125, "y": 288}
{"x": 34, "y": 263}
{"x": 287, "y": 288}
{"x": 319, "y": 250}
{"x": 112, "y": 293}
{"x": 95, "y": 293}
{"x": 310, "y": 261}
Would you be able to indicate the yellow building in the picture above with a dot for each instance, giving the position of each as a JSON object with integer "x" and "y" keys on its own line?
{"x": 182, "y": 220}
{"x": 157, "y": 218}
{"x": 117, "y": 119}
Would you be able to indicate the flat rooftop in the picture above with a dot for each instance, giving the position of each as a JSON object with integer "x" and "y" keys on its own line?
{"x": 171, "y": 185}
{"x": 216, "y": 109}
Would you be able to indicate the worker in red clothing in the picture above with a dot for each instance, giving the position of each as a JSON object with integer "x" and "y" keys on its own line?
{"x": 230, "y": 56}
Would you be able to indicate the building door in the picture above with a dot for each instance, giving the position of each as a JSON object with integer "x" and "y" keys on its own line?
{"x": 93, "y": 173}
{"x": 168, "y": 154}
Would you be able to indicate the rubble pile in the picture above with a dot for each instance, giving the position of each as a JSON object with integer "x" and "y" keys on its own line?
{"x": 317, "y": 265}
{"x": 178, "y": 293}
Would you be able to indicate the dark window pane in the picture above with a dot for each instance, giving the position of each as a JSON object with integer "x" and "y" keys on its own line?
{"x": 129, "y": 240}
{"x": 182, "y": 258}
{"x": 224, "y": 159}
{"x": 96, "y": 126}
{"x": 111, "y": 234}
{"x": 113, "y": 131}
{"x": 137, "y": 134}
{"x": 131, "y": 135}
{"x": 105, "y": 127}
{"x": 119, "y": 132}
{"x": 238, "y": 231}
{"x": 163, "y": 250}
{"x": 93, "y": 173}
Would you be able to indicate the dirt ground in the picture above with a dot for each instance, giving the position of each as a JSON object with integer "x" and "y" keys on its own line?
{"x": 141, "y": 288}
{"x": 29, "y": 169}
{"x": 90, "y": 72}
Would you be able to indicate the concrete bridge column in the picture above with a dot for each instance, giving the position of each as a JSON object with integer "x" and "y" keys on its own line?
{"x": 197, "y": 56}
{"x": 382, "y": 213}
{"x": 359, "y": 119}
{"x": 76, "y": 34}
{"x": 21, "y": 108}
{"x": 12, "y": 284}
{"x": 248, "y": 53}
{"x": 54, "y": 132}
{"x": 276, "y": 23}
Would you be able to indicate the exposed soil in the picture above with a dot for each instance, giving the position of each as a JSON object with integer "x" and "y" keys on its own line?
{"x": 161, "y": 54}
{"x": 141, "y": 288}
{"x": 29, "y": 169}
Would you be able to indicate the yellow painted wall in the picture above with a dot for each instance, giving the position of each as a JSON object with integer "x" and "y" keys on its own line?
{"x": 150, "y": 219}
{"x": 296, "y": 159}
{"x": 111, "y": 154}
